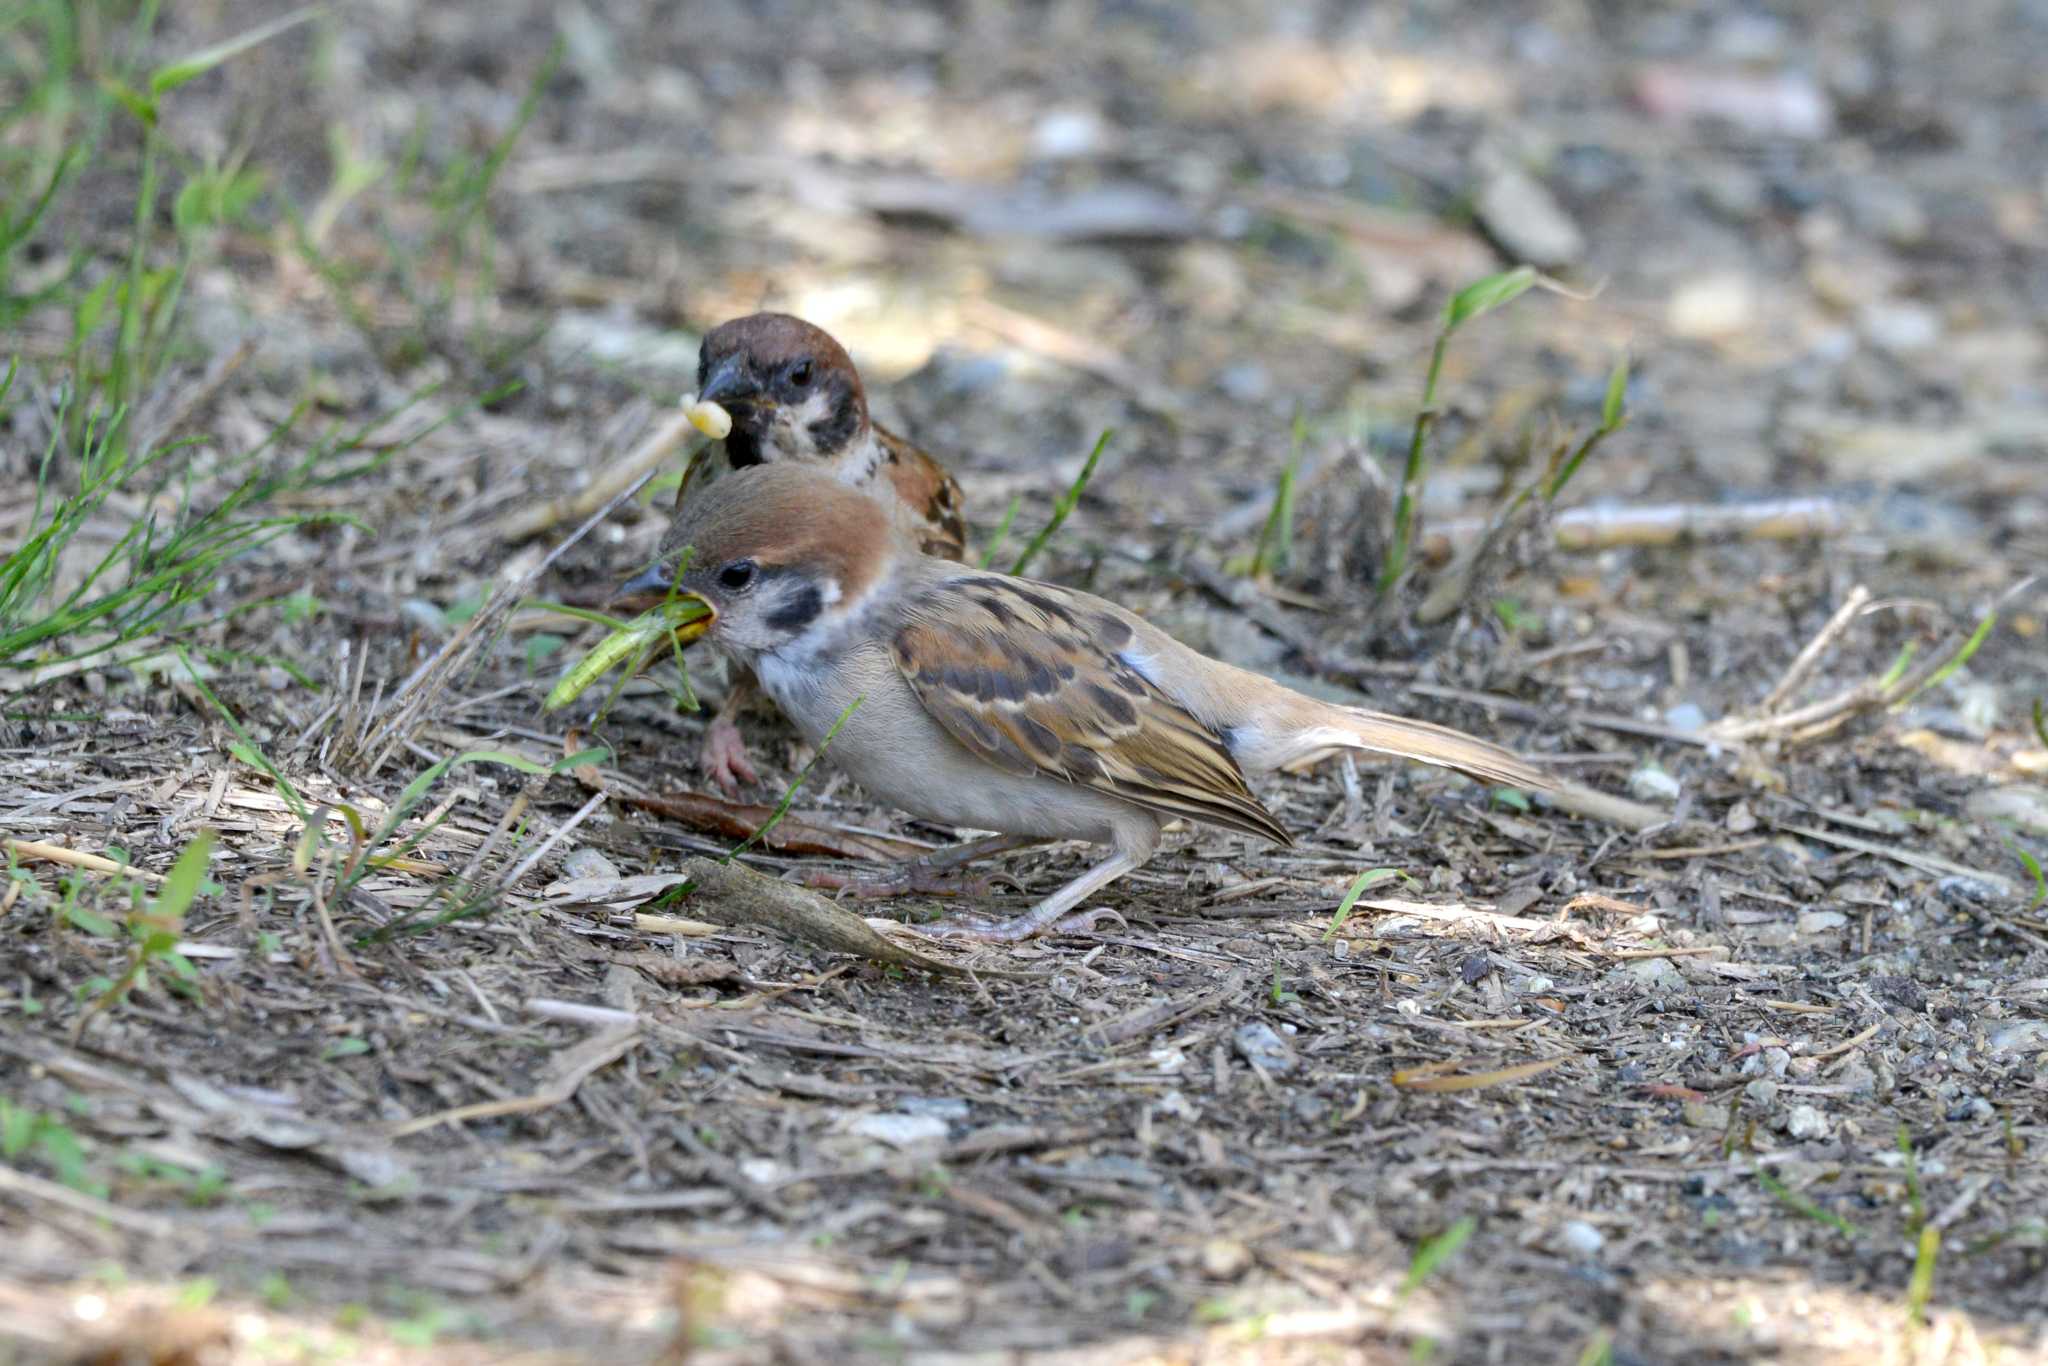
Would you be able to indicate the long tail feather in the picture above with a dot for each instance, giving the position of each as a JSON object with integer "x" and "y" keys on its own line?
{"x": 1382, "y": 733}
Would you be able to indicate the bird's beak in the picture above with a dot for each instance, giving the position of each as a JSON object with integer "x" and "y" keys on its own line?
{"x": 730, "y": 385}
{"x": 651, "y": 589}
{"x": 643, "y": 592}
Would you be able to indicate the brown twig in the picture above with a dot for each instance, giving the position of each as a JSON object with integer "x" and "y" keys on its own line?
{"x": 1805, "y": 661}
{"x": 618, "y": 481}
{"x": 572, "y": 1068}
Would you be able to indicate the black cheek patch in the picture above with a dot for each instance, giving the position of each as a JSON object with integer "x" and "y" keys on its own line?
{"x": 832, "y": 431}
{"x": 799, "y": 610}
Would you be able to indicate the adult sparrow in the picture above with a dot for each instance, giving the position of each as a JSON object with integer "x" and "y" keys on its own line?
{"x": 1001, "y": 703}
{"x": 794, "y": 395}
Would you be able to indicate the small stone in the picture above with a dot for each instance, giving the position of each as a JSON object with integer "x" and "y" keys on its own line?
{"x": 941, "y": 1107}
{"x": 1776, "y": 1060}
{"x": 1741, "y": 818}
{"x": 1902, "y": 328}
{"x": 1260, "y": 1046}
{"x": 1819, "y": 922}
{"x": 1763, "y": 1091}
{"x": 2022, "y": 1036}
{"x": 1519, "y": 212}
{"x": 1733, "y": 193}
{"x": 1887, "y": 210}
{"x": 1974, "y": 1109}
{"x": 762, "y": 1171}
{"x": 1065, "y": 134}
{"x": 427, "y": 616}
{"x": 1244, "y": 382}
{"x": 1701, "y": 1114}
{"x": 899, "y": 1130}
{"x": 1653, "y": 784}
{"x": 1686, "y": 716}
{"x": 1783, "y": 103}
{"x": 1580, "y": 1238}
{"x": 1854, "y": 1074}
{"x": 1712, "y": 307}
{"x": 1650, "y": 972}
{"x": 1225, "y": 1259}
{"x": 1806, "y": 1122}
{"x": 587, "y": 862}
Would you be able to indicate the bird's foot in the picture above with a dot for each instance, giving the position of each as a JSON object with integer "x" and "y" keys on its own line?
{"x": 724, "y": 756}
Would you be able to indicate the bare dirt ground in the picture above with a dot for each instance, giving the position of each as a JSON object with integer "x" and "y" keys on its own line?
{"x": 1569, "y": 1093}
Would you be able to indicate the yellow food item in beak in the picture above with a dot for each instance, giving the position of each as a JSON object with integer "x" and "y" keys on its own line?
{"x": 683, "y": 618}
{"x": 709, "y": 418}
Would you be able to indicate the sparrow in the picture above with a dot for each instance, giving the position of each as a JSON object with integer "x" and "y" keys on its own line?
{"x": 984, "y": 700}
{"x": 794, "y": 395}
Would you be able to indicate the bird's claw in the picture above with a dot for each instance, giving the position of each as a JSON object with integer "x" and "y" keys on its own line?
{"x": 724, "y": 756}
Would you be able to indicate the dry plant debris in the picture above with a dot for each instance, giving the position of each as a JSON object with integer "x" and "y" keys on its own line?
{"x": 1747, "y": 1066}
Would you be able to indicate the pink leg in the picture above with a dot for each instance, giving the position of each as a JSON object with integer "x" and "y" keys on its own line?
{"x": 723, "y": 756}
{"x": 1049, "y": 914}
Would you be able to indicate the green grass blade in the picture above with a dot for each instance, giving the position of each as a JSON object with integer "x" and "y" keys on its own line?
{"x": 1371, "y": 877}
{"x": 1483, "y": 296}
{"x": 1617, "y": 393}
{"x": 1068, "y": 501}
{"x": 1002, "y": 531}
{"x": 171, "y": 75}
{"x": 246, "y": 749}
{"x": 1961, "y": 657}
{"x": 1920, "y": 1289}
{"x": 182, "y": 883}
{"x": 1433, "y": 1253}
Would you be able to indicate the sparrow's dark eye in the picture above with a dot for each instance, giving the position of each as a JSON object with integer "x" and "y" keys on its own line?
{"x": 738, "y": 576}
{"x": 800, "y": 374}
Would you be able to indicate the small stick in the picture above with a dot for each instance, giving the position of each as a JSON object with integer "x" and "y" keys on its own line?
{"x": 1926, "y": 863}
{"x": 1601, "y": 528}
{"x": 1847, "y": 1044}
{"x": 37, "y": 1188}
{"x": 578, "y": 1012}
{"x": 534, "y": 518}
{"x": 511, "y": 879}
{"x": 1807, "y": 659}
{"x": 34, "y": 851}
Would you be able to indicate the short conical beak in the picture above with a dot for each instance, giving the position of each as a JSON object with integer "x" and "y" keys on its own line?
{"x": 653, "y": 588}
{"x": 643, "y": 592}
{"x": 730, "y": 384}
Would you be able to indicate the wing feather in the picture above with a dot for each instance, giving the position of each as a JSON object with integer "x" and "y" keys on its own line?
{"x": 929, "y": 492}
{"x": 1033, "y": 680}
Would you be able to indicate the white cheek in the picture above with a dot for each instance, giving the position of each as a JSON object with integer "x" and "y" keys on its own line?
{"x": 797, "y": 422}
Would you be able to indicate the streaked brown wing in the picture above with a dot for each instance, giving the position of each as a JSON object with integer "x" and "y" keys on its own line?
{"x": 1030, "y": 678}
{"x": 929, "y": 492}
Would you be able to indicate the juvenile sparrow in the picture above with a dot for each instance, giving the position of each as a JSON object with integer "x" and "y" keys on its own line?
{"x": 794, "y": 396}
{"x": 1002, "y": 703}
